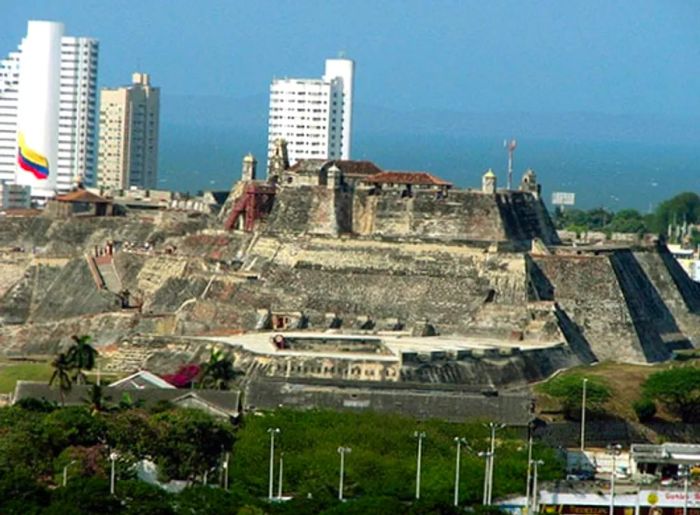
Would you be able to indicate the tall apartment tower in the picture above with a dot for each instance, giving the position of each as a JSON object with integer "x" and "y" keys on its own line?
{"x": 48, "y": 91}
{"x": 129, "y": 120}
{"x": 314, "y": 116}
{"x": 77, "y": 116}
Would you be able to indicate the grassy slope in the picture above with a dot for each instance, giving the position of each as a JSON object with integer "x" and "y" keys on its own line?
{"x": 12, "y": 371}
{"x": 624, "y": 379}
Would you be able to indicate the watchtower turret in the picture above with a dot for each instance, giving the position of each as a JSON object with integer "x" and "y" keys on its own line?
{"x": 249, "y": 167}
{"x": 488, "y": 182}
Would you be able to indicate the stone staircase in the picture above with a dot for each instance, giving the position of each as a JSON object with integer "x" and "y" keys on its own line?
{"x": 110, "y": 276}
{"x": 128, "y": 359}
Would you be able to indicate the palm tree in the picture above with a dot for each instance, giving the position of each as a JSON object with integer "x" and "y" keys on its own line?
{"x": 97, "y": 400}
{"x": 218, "y": 371}
{"x": 62, "y": 366}
{"x": 83, "y": 356}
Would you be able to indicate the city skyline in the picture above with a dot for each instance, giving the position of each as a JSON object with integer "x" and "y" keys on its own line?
{"x": 617, "y": 58}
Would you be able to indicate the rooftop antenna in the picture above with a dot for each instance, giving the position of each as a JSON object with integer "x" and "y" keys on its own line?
{"x": 510, "y": 145}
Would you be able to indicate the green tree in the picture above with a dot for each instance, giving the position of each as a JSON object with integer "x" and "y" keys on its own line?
{"x": 97, "y": 400}
{"x": 20, "y": 493}
{"x": 678, "y": 389}
{"x": 81, "y": 461}
{"x": 568, "y": 389}
{"x": 218, "y": 372}
{"x": 132, "y": 434}
{"x": 684, "y": 207}
{"x": 74, "y": 425}
{"x": 189, "y": 443}
{"x": 83, "y": 496}
{"x": 645, "y": 409}
{"x": 598, "y": 218}
{"x": 62, "y": 365}
{"x": 203, "y": 500}
{"x": 628, "y": 221}
{"x": 82, "y": 356}
{"x": 138, "y": 497}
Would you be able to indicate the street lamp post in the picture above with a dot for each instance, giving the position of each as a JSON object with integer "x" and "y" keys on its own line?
{"x": 65, "y": 473}
{"x": 342, "y": 451}
{"x": 583, "y": 415}
{"x": 486, "y": 455}
{"x": 279, "y": 484}
{"x": 226, "y": 461}
{"x": 420, "y": 435}
{"x": 684, "y": 471}
{"x": 530, "y": 429}
{"x": 112, "y": 476}
{"x": 614, "y": 450}
{"x": 459, "y": 441}
{"x": 273, "y": 431}
{"x": 493, "y": 427}
{"x": 535, "y": 493}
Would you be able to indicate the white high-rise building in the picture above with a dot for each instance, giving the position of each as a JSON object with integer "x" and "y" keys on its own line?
{"x": 48, "y": 90}
{"x": 314, "y": 116}
{"x": 77, "y": 126}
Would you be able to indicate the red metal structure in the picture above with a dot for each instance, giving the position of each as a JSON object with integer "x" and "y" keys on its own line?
{"x": 255, "y": 202}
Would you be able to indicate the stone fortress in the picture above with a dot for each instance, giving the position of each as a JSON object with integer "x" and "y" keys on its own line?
{"x": 337, "y": 283}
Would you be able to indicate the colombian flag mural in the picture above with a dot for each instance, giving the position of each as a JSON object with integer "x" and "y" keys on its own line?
{"x": 31, "y": 161}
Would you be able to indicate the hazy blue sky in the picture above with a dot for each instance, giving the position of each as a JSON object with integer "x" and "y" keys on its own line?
{"x": 534, "y": 56}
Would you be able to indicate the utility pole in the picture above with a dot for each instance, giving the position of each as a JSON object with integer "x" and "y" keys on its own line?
{"x": 459, "y": 441}
{"x": 342, "y": 451}
{"x": 279, "y": 484}
{"x": 486, "y": 455}
{"x": 529, "y": 465}
{"x": 226, "y": 458}
{"x": 535, "y": 493}
{"x": 493, "y": 426}
{"x": 614, "y": 450}
{"x": 583, "y": 415}
{"x": 420, "y": 435}
{"x": 684, "y": 471}
{"x": 510, "y": 145}
{"x": 273, "y": 431}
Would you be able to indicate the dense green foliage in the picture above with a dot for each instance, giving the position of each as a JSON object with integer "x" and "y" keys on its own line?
{"x": 645, "y": 409}
{"x": 36, "y": 446}
{"x": 684, "y": 207}
{"x": 678, "y": 389}
{"x": 218, "y": 372}
{"x": 579, "y": 221}
{"x": 383, "y": 457}
{"x": 568, "y": 389}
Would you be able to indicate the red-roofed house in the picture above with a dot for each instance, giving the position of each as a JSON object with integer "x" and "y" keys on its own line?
{"x": 79, "y": 202}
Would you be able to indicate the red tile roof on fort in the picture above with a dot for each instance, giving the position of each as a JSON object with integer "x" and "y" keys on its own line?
{"x": 347, "y": 166}
{"x": 414, "y": 178}
{"x": 83, "y": 196}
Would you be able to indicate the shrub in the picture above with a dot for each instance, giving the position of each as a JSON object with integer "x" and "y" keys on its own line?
{"x": 645, "y": 409}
